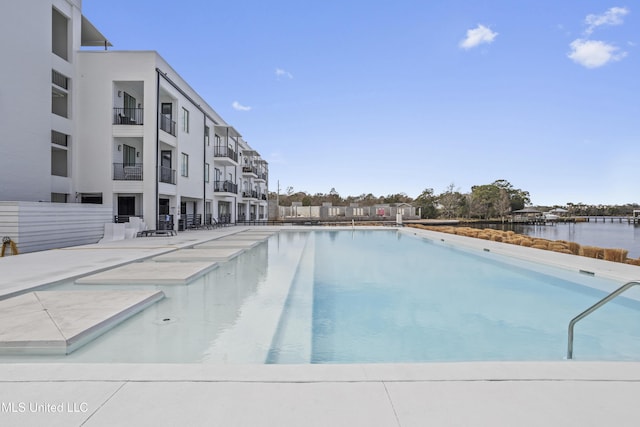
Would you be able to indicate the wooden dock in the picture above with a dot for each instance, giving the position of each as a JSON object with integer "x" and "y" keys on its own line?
{"x": 633, "y": 219}
{"x": 628, "y": 219}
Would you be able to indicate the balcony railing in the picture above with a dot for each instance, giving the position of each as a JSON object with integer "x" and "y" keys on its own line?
{"x": 127, "y": 172}
{"x": 263, "y": 196}
{"x": 128, "y": 116}
{"x": 167, "y": 175}
{"x": 250, "y": 195}
{"x": 168, "y": 125}
{"x": 262, "y": 176}
{"x": 250, "y": 169}
{"x": 225, "y": 187}
{"x": 221, "y": 151}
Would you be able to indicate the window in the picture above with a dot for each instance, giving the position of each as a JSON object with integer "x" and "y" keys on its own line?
{"x": 184, "y": 165}
{"x": 59, "y": 79}
{"x": 59, "y": 154}
{"x": 59, "y": 138}
{"x": 60, "y": 34}
{"x": 129, "y": 111}
{"x": 59, "y": 162}
{"x": 128, "y": 155}
{"x": 185, "y": 120}
{"x": 206, "y": 172}
{"x": 59, "y": 102}
{"x": 166, "y": 110}
{"x": 166, "y": 118}
{"x": 60, "y": 93}
{"x": 206, "y": 135}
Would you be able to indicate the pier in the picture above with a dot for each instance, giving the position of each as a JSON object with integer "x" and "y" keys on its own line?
{"x": 634, "y": 219}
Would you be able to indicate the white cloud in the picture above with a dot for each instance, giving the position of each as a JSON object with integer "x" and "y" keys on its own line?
{"x": 477, "y": 36}
{"x": 283, "y": 73}
{"x": 239, "y": 107}
{"x": 594, "y": 53}
{"x": 612, "y": 16}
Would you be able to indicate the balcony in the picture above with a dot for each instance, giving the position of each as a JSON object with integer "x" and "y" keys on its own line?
{"x": 168, "y": 125}
{"x": 250, "y": 195}
{"x": 167, "y": 175}
{"x": 263, "y": 196}
{"x": 225, "y": 187}
{"x": 128, "y": 116}
{"x": 250, "y": 170}
{"x": 127, "y": 172}
{"x": 225, "y": 152}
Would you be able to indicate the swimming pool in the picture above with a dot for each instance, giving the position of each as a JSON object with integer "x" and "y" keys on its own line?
{"x": 368, "y": 296}
{"x": 390, "y": 297}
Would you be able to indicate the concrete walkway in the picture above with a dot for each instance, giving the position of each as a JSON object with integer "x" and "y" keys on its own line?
{"x": 438, "y": 394}
{"x": 461, "y": 394}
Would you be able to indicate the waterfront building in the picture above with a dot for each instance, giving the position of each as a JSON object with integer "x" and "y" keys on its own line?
{"x": 85, "y": 125}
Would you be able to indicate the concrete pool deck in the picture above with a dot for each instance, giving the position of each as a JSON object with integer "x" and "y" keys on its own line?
{"x": 569, "y": 393}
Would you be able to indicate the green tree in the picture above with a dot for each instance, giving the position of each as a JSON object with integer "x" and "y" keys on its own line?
{"x": 503, "y": 204}
{"x": 334, "y": 197}
{"x": 518, "y": 198}
{"x": 397, "y": 198}
{"x": 484, "y": 199}
{"x": 451, "y": 202}
{"x": 427, "y": 202}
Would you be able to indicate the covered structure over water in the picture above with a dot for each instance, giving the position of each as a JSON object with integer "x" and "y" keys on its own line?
{"x": 527, "y": 215}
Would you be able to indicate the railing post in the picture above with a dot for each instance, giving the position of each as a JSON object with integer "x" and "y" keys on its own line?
{"x": 590, "y": 310}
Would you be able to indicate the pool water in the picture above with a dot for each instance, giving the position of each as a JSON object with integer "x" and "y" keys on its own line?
{"x": 379, "y": 297}
{"x": 368, "y": 296}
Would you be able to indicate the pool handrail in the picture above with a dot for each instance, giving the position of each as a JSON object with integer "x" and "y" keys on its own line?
{"x": 593, "y": 308}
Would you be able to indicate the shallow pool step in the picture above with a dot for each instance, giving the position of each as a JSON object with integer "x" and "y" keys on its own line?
{"x": 245, "y": 236}
{"x": 60, "y": 322}
{"x": 229, "y": 242}
{"x": 195, "y": 255}
{"x": 150, "y": 273}
{"x": 256, "y": 233}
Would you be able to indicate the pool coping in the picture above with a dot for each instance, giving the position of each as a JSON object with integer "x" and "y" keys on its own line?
{"x": 607, "y": 269}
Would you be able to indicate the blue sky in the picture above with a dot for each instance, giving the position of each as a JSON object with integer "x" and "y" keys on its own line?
{"x": 386, "y": 97}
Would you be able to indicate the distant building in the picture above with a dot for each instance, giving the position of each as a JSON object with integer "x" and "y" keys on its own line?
{"x": 328, "y": 212}
{"x": 116, "y": 128}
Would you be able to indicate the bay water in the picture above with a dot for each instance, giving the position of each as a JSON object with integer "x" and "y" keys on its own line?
{"x": 617, "y": 235}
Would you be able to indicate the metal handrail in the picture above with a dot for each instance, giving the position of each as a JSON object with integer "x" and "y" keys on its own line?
{"x": 593, "y": 308}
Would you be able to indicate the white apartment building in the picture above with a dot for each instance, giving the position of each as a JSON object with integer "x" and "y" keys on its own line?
{"x": 116, "y": 128}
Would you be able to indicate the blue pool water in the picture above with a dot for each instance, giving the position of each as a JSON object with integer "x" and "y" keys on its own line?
{"x": 389, "y": 297}
{"x": 367, "y": 296}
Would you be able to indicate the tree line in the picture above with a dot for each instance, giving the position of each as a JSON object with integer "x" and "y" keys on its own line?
{"x": 488, "y": 201}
